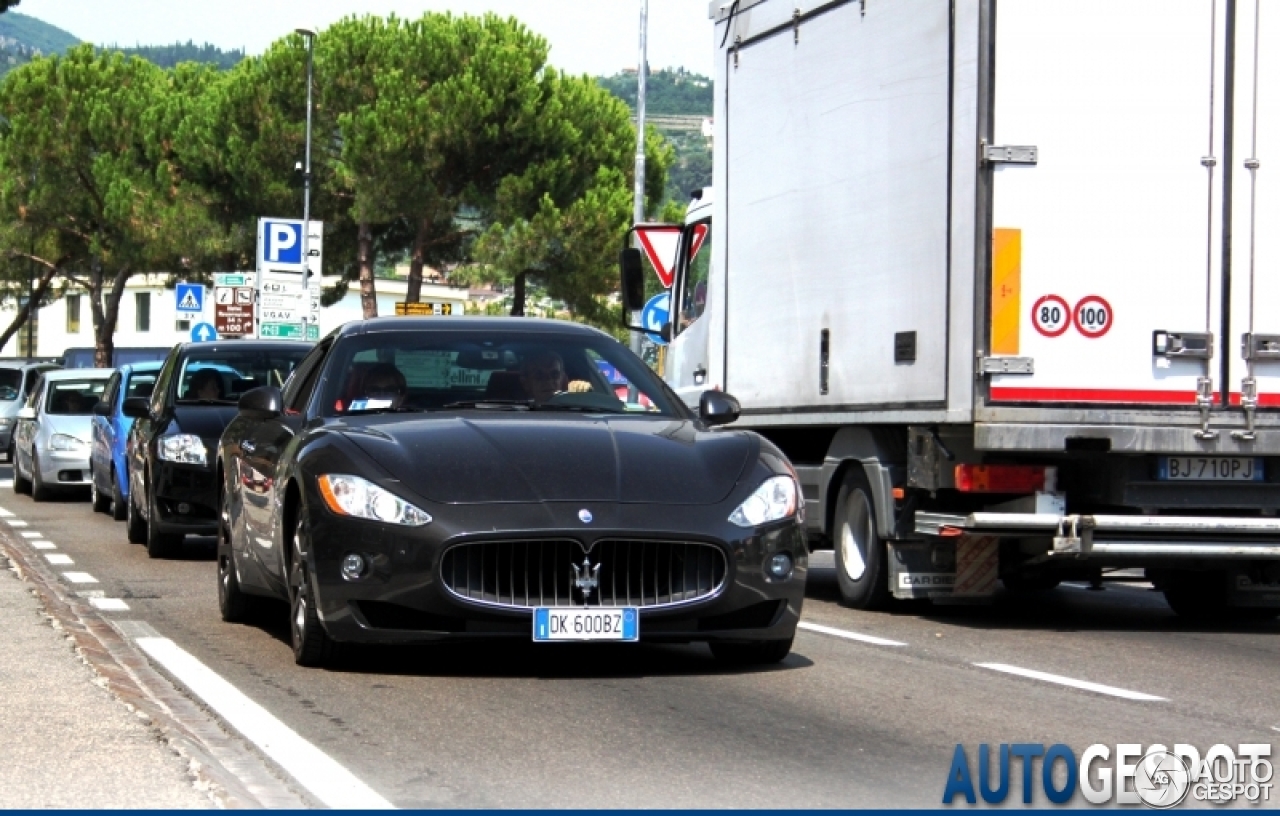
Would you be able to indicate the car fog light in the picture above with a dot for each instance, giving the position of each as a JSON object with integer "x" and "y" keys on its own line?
{"x": 353, "y": 566}
{"x": 779, "y": 565}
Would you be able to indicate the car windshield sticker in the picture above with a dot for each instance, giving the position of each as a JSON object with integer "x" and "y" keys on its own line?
{"x": 369, "y": 404}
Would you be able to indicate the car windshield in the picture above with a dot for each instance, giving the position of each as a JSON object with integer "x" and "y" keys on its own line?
{"x": 223, "y": 376}
{"x": 10, "y": 384}
{"x": 499, "y": 371}
{"x": 73, "y": 397}
{"x": 141, "y": 384}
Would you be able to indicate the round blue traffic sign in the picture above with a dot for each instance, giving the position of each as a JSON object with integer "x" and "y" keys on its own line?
{"x": 202, "y": 332}
{"x": 656, "y": 313}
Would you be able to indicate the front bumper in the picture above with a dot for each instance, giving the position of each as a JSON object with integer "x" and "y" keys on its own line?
{"x": 64, "y": 468}
{"x": 402, "y": 598}
{"x": 185, "y": 498}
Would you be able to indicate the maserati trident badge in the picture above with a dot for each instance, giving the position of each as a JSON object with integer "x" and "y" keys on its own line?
{"x": 584, "y": 516}
{"x": 586, "y": 577}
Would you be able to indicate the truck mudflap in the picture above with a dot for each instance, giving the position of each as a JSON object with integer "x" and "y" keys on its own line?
{"x": 1125, "y": 537}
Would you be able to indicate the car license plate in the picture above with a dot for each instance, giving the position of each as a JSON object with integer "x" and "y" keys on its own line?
{"x": 586, "y": 623}
{"x": 1210, "y": 469}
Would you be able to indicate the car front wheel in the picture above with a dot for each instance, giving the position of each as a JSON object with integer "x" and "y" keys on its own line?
{"x": 21, "y": 484}
{"x": 118, "y": 508}
{"x": 160, "y": 545}
{"x": 311, "y": 644}
{"x": 135, "y": 524}
{"x": 101, "y": 501}
{"x": 39, "y": 490}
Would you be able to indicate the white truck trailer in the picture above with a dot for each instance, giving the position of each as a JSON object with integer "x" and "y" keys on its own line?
{"x": 1002, "y": 278}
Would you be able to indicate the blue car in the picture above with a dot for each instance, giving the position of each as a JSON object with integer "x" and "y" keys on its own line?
{"x": 108, "y": 462}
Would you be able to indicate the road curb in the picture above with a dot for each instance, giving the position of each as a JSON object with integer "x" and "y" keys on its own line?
{"x": 220, "y": 764}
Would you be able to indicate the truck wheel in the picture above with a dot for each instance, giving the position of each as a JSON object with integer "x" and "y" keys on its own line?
{"x": 862, "y": 569}
{"x": 756, "y": 653}
{"x": 1197, "y": 596}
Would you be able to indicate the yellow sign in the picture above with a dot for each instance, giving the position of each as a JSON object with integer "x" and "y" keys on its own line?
{"x": 424, "y": 308}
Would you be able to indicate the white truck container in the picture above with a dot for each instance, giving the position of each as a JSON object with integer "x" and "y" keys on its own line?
{"x": 1003, "y": 280}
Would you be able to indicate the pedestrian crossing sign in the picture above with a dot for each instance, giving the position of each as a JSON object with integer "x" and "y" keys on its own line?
{"x": 190, "y": 297}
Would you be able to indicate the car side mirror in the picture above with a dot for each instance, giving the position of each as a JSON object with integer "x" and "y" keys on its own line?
{"x": 632, "y": 280}
{"x": 102, "y": 408}
{"x": 136, "y": 408}
{"x": 263, "y": 401}
{"x": 718, "y": 408}
{"x": 26, "y": 412}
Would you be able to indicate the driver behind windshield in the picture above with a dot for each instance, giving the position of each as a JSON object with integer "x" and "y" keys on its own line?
{"x": 205, "y": 385}
{"x": 542, "y": 377}
{"x": 385, "y": 386}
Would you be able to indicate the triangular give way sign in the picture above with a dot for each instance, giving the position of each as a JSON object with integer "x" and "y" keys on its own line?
{"x": 659, "y": 243}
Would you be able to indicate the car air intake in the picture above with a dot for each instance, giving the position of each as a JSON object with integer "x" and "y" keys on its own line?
{"x": 561, "y": 572}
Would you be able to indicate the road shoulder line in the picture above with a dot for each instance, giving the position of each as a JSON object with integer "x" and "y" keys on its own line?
{"x": 847, "y": 635}
{"x": 1060, "y": 680}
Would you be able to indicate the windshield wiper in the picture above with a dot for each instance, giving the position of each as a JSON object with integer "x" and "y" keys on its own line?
{"x": 586, "y": 409}
{"x": 387, "y": 409}
{"x": 492, "y": 404}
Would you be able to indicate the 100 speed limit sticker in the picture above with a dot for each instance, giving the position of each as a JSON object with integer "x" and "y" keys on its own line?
{"x": 1092, "y": 316}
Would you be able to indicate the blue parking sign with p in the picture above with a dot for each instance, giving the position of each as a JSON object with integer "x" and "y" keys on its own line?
{"x": 283, "y": 241}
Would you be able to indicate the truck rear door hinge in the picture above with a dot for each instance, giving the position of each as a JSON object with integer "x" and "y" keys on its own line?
{"x": 1006, "y": 365}
{"x": 1010, "y": 154}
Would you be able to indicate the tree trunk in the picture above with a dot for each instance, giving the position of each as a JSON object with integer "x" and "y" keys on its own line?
{"x": 42, "y": 286}
{"x": 105, "y": 314}
{"x": 416, "y": 262}
{"x": 364, "y": 257}
{"x": 517, "y": 297}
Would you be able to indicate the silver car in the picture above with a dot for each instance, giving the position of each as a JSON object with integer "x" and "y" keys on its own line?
{"x": 54, "y": 435}
{"x": 17, "y": 378}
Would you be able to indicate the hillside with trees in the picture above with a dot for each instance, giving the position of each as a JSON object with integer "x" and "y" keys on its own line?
{"x": 168, "y": 56}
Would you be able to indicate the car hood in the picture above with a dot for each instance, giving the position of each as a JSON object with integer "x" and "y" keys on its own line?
{"x": 81, "y": 427}
{"x": 546, "y": 458}
{"x": 205, "y": 421}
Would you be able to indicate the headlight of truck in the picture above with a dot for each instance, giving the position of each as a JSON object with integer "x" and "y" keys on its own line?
{"x": 185, "y": 448}
{"x": 776, "y": 499}
{"x": 353, "y": 496}
{"x": 62, "y": 442}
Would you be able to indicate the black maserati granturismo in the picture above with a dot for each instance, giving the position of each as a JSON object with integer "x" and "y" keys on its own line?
{"x": 423, "y": 479}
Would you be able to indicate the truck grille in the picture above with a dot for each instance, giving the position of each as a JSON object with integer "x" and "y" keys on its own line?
{"x": 525, "y": 574}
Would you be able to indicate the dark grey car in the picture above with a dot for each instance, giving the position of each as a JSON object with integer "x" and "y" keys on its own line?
{"x": 16, "y": 380}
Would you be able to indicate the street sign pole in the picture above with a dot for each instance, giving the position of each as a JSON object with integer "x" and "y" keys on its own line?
{"x": 306, "y": 191}
{"x": 636, "y": 343}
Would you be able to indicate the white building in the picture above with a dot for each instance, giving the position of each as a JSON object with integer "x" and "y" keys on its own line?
{"x": 149, "y": 316}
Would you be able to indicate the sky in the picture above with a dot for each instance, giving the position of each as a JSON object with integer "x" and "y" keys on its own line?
{"x": 597, "y": 37}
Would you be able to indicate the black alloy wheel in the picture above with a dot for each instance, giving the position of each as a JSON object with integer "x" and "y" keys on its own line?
{"x": 757, "y": 653}
{"x": 39, "y": 490}
{"x": 160, "y": 545}
{"x": 21, "y": 484}
{"x": 311, "y": 644}
{"x": 101, "y": 501}
{"x": 862, "y": 559}
{"x": 233, "y": 605}
{"x": 135, "y": 524}
{"x": 118, "y": 508}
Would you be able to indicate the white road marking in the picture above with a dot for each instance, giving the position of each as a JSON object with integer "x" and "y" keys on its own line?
{"x": 3, "y": 512}
{"x": 6, "y": 482}
{"x": 16, "y": 523}
{"x": 1068, "y": 681}
{"x": 44, "y": 545}
{"x": 319, "y": 773}
{"x": 842, "y": 633}
{"x": 32, "y": 534}
{"x": 79, "y": 577}
{"x": 109, "y": 604}
{"x": 61, "y": 559}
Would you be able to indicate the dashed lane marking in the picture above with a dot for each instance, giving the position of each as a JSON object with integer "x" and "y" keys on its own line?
{"x": 5, "y": 513}
{"x": 847, "y": 635}
{"x": 31, "y": 534}
{"x": 58, "y": 559}
{"x": 1058, "y": 679}
{"x": 109, "y": 604}
{"x": 43, "y": 545}
{"x": 315, "y": 770}
{"x": 16, "y": 523}
{"x": 79, "y": 577}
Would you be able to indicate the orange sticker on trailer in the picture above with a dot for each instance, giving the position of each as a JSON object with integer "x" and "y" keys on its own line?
{"x": 1006, "y": 289}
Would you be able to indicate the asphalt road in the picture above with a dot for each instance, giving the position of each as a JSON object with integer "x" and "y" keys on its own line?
{"x": 867, "y": 716}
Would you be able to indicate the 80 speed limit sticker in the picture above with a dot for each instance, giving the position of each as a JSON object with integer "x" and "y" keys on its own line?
{"x": 1051, "y": 315}
{"x": 1092, "y": 316}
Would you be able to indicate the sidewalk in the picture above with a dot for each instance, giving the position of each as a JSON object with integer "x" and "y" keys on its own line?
{"x": 66, "y": 742}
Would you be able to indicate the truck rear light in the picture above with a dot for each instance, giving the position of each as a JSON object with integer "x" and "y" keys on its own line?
{"x": 1005, "y": 478}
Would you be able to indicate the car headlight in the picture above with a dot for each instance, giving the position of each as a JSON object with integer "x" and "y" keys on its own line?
{"x": 185, "y": 448}
{"x": 62, "y": 442}
{"x": 776, "y": 499}
{"x": 353, "y": 496}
